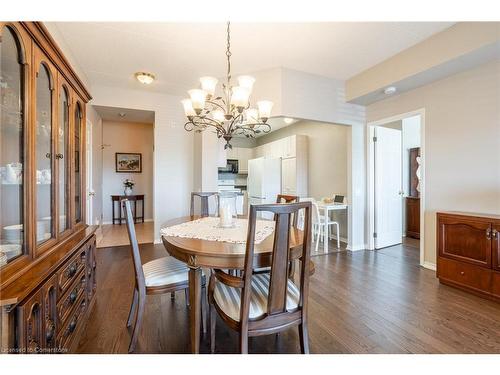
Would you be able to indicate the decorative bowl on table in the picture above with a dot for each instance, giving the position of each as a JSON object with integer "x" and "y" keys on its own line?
{"x": 328, "y": 200}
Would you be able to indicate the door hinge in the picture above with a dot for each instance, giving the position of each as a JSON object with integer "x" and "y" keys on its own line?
{"x": 374, "y": 234}
{"x": 374, "y": 139}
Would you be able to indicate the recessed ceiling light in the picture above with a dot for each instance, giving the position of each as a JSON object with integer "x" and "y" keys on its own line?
{"x": 121, "y": 114}
{"x": 389, "y": 90}
{"x": 145, "y": 78}
{"x": 288, "y": 120}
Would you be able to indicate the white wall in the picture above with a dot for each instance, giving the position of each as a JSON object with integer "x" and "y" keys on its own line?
{"x": 96, "y": 122}
{"x": 173, "y": 148}
{"x": 462, "y": 143}
{"x": 132, "y": 138}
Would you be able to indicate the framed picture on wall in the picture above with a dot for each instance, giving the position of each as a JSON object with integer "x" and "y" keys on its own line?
{"x": 126, "y": 162}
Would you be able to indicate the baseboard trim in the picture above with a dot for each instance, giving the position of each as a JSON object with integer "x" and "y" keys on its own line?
{"x": 110, "y": 222}
{"x": 356, "y": 247}
{"x": 429, "y": 266}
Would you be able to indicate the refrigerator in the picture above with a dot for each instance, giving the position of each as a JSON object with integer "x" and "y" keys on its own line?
{"x": 264, "y": 181}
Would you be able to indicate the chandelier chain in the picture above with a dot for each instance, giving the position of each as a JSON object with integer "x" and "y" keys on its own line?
{"x": 228, "y": 53}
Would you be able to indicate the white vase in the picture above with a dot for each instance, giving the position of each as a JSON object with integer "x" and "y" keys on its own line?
{"x": 127, "y": 191}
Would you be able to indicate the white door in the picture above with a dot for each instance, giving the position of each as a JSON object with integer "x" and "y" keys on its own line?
{"x": 90, "y": 191}
{"x": 388, "y": 190}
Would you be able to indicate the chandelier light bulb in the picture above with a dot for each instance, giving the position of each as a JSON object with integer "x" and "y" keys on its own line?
{"x": 246, "y": 82}
{"x": 239, "y": 97}
{"x": 198, "y": 98}
{"x": 188, "y": 107}
{"x": 208, "y": 84}
{"x": 265, "y": 107}
{"x": 218, "y": 115}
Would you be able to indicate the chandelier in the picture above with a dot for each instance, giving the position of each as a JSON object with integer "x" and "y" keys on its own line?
{"x": 229, "y": 114}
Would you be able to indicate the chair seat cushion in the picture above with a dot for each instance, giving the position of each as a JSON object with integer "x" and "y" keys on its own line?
{"x": 165, "y": 271}
{"x": 229, "y": 298}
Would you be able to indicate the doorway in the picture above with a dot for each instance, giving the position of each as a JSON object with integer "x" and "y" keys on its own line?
{"x": 126, "y": 164}
{"x": 396, "y": 182}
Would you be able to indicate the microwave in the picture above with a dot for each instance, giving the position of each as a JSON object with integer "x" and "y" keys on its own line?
{"x": 231, "y": 166}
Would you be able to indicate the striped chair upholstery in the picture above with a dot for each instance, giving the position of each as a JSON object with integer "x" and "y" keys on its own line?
{"x": 165, "y": 271}
{"x": 229, "y": 298}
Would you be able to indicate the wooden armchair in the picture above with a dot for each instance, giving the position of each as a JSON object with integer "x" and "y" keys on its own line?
{"x": 162, "y": 275}
{"x": 265, "y": 303}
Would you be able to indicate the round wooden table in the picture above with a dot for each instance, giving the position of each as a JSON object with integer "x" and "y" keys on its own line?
{"x": 215, "y": 254}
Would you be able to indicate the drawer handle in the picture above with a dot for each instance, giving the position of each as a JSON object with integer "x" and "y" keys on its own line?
{"x": 72, "y": 296}
{"x": 462, "y": 273}
{"x": 488, "y": 234}
{"x": 72, "y": 326}
{"x": 72, "y": 270}
{"x": 495, "y": 234}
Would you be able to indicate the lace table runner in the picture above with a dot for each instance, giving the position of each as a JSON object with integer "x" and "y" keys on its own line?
{"x": 208, "y": 229}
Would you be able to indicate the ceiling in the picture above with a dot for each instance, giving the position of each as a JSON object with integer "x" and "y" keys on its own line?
{"x": 110, "y": 53}
{"x": 116, "y": 114}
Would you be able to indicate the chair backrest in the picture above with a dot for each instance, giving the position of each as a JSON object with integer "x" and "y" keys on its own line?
{"x": 283, "y": 198}
{"x": 134, "y": 245}
{"x": 204, "y": 210}
{"x": 277, "y": 295}
{"x": 315, "y": 217}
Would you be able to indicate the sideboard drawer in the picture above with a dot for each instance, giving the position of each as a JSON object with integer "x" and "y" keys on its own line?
{"x": 69, "y": 329}
{"x": 71, "y": 296}
{"x": 72, "y": 268}
{"x": 464, "y": 274}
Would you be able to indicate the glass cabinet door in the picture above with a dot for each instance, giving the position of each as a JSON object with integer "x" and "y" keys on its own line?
{"x": 12, "y": 97}
{"x": 62, "y": 158}
{"x": 43, "y": 154}
{"x": 78, "y": 178}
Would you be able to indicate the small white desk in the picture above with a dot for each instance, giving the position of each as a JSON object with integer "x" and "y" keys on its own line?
{"x": 327, "y": 207}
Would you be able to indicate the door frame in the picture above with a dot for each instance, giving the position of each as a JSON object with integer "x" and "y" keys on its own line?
{"x": 371, "y": 177}
{"x": 89, "y": 187}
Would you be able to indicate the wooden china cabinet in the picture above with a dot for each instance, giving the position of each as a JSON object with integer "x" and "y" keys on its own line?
{"x": 47, "y": 252}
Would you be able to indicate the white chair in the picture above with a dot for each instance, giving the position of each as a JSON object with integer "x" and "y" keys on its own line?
{"x": 317, "y": 227}
{"x": 318, "y": 221}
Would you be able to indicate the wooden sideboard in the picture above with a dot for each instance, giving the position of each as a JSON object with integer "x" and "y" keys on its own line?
{"x": 47, "y": 252}
{"x": 469, "y": 252}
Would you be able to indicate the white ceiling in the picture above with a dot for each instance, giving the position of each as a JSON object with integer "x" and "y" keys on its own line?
{"x": 128, "y": 115}
{"x": 178, "y": 53}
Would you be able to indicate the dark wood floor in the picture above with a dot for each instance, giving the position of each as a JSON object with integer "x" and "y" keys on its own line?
{"x": 362, "y": 302}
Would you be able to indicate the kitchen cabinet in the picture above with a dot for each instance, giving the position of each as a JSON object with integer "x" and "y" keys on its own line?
{"x": 289, "y": 176}
{"x": 289, "y": 147}
{"x": 242, "y": 154}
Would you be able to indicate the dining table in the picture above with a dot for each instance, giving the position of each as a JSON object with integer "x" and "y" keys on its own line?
{"x": 215, "y": 254}
{"x": 327, "y": 208}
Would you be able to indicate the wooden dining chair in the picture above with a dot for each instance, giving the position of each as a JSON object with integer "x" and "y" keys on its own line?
{"x": 204, "y": 208}
{"x": 283, "y": 198}
{"x": 265, "y": 303}
{"x": 162, "y": 275}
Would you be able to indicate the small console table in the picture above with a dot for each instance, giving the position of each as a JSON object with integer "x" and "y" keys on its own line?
{"x": 134, "y": 198}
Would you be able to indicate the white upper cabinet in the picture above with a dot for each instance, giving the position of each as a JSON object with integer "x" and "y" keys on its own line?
{"x": 289, "y": 147}
{"x": 244, "y": 154}
{"x": 289, "y": 176}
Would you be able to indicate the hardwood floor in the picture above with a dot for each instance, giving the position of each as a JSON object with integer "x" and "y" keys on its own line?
{"x": 362, "y": 302}
{"x": 116, "y": 235}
